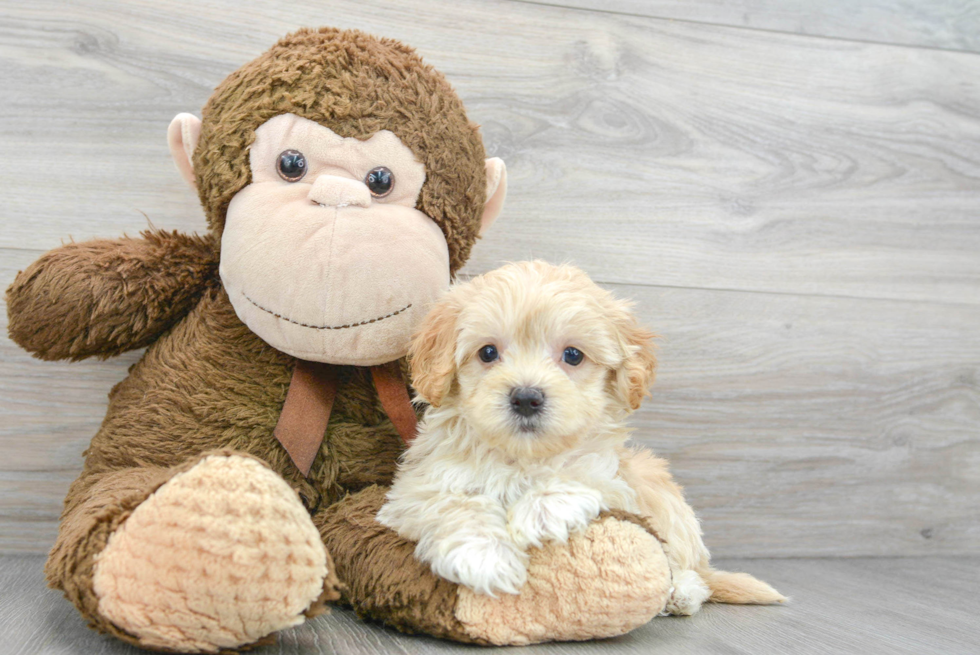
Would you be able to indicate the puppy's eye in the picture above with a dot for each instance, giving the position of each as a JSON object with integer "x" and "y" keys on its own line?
{"x": 488, "y": 353}
{"x": 572, "y": 356}
{"x": 380, "y": 181}
{"x": 291, "y": 165}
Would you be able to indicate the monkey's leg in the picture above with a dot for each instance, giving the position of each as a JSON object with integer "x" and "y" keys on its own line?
{"x": 217, "y": 553}
{"x": 603, "y": 583}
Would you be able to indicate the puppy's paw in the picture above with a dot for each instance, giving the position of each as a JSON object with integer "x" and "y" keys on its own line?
{"x": 485, "y": 565}
{"x": 689, "y": 593}
{"x": 553, "y": 515}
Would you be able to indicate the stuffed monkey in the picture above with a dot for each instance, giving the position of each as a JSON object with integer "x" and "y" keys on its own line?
{"x": 231, "y": 489}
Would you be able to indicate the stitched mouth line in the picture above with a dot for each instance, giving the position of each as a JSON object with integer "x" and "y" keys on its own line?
{"x": 325, "y": 327}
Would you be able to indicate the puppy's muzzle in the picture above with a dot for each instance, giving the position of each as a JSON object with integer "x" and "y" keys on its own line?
{"x": 526, "y": 401}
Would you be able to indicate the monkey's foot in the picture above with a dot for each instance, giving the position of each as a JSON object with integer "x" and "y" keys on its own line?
{"x": 603, "y": 583}
{"x": 218, "y": 557}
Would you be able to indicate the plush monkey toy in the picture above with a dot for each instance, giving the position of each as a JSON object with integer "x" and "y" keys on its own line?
{"x": 232, "y": 487}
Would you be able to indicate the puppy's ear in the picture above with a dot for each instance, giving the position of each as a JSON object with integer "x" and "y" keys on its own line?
{"x": 635, "y": 376}
{"x": 432, "y": 354}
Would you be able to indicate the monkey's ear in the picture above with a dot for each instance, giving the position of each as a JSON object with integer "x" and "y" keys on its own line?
{"x": 496, "y": 192}
{"x": 182, "y": 136}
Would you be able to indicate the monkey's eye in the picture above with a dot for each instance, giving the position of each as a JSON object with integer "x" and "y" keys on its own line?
{"x": 488, "y": 353}
{"x": 291, "y": 165}
{"x": 380, "y": 181}
{"x": 572, "y": 356}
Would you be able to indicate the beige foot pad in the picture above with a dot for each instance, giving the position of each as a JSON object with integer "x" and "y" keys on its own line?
{"x": 604, "y": 583}
{"x": 220, "y": 556}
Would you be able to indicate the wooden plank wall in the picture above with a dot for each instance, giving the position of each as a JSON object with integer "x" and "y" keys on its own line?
{"x": 790, "y": 190}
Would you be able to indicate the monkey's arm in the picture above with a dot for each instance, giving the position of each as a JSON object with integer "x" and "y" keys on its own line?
{"x": 104, "y": 297}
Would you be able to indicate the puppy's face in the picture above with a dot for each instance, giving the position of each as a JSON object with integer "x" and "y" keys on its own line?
{"x": 537, "y": 358}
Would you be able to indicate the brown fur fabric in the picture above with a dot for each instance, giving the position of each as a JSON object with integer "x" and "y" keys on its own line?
{"x": 208, "y": 384}
{"x": 211, "y": 383}
{"x": 105, "y": 297}
{"x": 356, "y": 85}
{"x": 385, "y": 581}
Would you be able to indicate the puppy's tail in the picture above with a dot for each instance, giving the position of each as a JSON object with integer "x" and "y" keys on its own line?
{"x": 740, "y": 589}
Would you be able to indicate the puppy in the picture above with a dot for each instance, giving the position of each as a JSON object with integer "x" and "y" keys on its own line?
{"x": 529, "y": 372}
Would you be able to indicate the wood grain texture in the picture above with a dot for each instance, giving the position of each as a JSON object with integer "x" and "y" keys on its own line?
{"x": 805, "y": 425}
{"x": 797, "y": 216}
{"x": 856, "y": 606}
{"x": 947, "y": 24}
{"x": 650, "y": 151}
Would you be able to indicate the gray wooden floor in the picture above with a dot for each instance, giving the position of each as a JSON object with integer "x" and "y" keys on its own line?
{"x": 913, "y": 606}
{"x": 789, "y": 189}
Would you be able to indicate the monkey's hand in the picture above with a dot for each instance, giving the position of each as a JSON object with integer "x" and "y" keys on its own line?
{"x": 105, "y": 297}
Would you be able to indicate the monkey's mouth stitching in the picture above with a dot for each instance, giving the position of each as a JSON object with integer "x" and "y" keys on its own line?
{"x": 325, "y": 327}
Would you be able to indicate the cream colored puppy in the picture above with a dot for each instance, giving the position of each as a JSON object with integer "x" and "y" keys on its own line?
{"x": 530, "y": 372}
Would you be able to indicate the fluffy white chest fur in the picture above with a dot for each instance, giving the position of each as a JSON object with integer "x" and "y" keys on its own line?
{"x": 474, "y": 511}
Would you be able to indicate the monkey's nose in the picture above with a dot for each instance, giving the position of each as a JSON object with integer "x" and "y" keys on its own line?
{"x": 335, "y": 191}
{"x": 526, "y": 401}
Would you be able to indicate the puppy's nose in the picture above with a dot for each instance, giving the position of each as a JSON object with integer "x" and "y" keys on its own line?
{"x": 526, "y": 401}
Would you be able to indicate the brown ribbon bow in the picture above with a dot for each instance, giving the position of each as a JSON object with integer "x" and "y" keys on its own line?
{"x": 306, "y": 412}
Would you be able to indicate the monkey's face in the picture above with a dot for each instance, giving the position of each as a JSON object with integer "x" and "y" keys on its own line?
{"x": 345, "y": 183}
{"x": 324, "y": 255}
